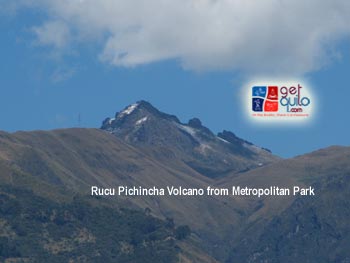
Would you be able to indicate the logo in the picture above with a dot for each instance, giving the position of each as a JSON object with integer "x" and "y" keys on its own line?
{"x": 265, "y": 98}
{"x": 276, "y": 101}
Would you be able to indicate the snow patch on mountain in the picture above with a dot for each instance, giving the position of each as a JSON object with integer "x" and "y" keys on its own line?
{"x": 221, "y": 139}
{"x": 140, "y": 121}
{"x": 253, "y": 148}
{"x": 128, "y": 110}
{"x": 111, "y": 120}
{"x": 187, "y": 129}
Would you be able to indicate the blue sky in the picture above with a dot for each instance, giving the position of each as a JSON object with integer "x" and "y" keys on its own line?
{"x": 46, "y": 81}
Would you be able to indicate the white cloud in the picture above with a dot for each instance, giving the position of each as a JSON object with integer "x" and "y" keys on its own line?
{"x": 52, "y": 33}
{"x": 256, "y": 37}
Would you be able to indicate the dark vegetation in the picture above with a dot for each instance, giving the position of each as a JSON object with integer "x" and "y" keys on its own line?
{"x": 39, "y": 230}
{"x": 312, "y": 229}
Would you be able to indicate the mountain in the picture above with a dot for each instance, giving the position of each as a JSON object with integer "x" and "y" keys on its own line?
{"x": 48, "y": 214}
{"x": 167, "y": 139}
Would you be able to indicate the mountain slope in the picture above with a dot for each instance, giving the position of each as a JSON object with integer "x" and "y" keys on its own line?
{"x": 312, "y": 229}
{"x": 297, "y": 228}
{"x": 46, "y": 173}
{"x": 76, "y": 159}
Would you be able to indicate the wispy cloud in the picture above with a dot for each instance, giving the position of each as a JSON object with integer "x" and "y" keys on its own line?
{"x": 256, "y": 37}
{"x": 52, "y": 33}
{"x": 62, "y": 74}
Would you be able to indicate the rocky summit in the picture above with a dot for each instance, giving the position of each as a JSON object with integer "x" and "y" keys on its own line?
{"x": 166, "y": 137}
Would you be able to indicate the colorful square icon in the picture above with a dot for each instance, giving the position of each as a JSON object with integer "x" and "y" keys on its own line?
{"x": 257, "y": 104}
{"x": 272, "y": 93}
{"x": 259, "y": 91}
{"x": 271, "y": 106}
